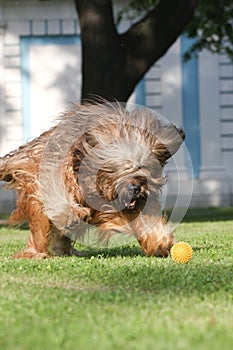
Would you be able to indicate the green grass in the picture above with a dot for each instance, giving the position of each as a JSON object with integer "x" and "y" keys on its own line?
{"x": 120, "y": 299}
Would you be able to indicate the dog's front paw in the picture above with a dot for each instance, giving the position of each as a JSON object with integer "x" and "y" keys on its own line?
{"x": 152, "y": 245}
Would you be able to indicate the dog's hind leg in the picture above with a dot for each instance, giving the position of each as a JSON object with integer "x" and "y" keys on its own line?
{"x": 39, "y": 224}
{"x": 38, "y": 241}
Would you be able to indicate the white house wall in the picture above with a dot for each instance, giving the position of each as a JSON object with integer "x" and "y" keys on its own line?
{"x": 226, "y": 111}
{"x": 28, "y": 19}
{"x": 212, "y": 160}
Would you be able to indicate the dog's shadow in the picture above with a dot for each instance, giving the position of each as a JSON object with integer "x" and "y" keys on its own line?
{"x": 122, "y": 251}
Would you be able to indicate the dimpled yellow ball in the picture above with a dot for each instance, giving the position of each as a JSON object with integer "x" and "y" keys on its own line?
{"x": 181, "y": 252}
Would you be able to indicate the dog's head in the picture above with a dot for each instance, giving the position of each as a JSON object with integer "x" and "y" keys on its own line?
{"x": 129, "y": 174}
{"x": 140, "y": 174}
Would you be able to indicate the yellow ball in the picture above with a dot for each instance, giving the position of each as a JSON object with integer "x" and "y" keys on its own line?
{"x": 181, "y": 252}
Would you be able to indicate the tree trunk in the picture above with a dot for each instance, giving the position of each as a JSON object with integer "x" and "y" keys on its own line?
{"x": 112, "y": 63}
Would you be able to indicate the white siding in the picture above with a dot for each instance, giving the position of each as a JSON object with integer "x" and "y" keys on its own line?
{"x": 153, "y": 87}
{"x": 226, "y": 112}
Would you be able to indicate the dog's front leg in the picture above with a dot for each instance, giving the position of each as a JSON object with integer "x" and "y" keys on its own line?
{"x": 154, "y": 235}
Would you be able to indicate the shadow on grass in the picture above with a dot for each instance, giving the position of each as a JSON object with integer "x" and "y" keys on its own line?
{"x": 129, "y": 250}
{"x": 123, "y": 251}
{"x": 162, "y": 276}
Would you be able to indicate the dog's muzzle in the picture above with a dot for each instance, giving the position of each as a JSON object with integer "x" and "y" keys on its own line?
{"x": 131, "y": 197}
{"x": 134, "y": 192}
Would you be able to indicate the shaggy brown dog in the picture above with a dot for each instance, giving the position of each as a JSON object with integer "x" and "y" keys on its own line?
{"x": 100, "y": 166}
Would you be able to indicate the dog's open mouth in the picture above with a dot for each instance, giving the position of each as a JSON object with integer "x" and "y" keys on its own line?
{"x": 130, "y": 205}
{"x": 131, "y": 197}
{"x": 137, "y": 202}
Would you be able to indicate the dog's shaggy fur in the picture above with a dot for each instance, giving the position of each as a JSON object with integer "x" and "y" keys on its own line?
{"x": 100, "y": 166}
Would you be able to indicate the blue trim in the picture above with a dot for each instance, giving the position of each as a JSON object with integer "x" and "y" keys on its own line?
{"x": 140, "y": 93}
{"x": 50, "y": 39}
{"x": 25, "y": 43}
{"x": 190, "y": 105}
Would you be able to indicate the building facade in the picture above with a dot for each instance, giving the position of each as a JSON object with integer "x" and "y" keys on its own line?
{"x": 40, "y": 74}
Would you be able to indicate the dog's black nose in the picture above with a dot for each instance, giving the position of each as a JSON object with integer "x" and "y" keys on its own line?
{"x": 134, "y": 189}
{"x": 127, "y": 196}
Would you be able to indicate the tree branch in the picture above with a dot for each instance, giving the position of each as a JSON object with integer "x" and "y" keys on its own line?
{"x": 149, "y": 39}
{"x": 113, "y": 63}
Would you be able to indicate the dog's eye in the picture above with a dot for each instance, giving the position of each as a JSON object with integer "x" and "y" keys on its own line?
{"x": 8, "y": 178}
{"x": 141, "y": 166}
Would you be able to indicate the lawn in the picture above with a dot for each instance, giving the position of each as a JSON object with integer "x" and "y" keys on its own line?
{"x": 120, "y": 299}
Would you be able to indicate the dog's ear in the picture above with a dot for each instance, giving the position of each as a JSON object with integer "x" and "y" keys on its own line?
{"x": 168, "y": 142}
